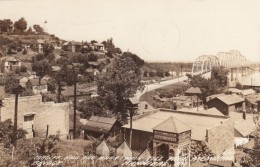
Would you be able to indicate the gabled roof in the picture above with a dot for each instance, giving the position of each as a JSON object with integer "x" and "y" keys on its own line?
{"x": 245, "y": 127}
{"x": 100, "y": 124}
{"x": 231, "y": 99}
{"x": 9, "y": 58}
{"x": 94, "y": 63}
{"x": 172, "y": 125}
{"x": 193, "y": 90}
{"x": 134, "y": 101}
{"x": 124, "y": 150}
{"x": 102, "y": 149}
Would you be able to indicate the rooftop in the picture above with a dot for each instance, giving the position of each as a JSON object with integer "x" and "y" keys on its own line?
{"x": 172, "y": 125}
{"x": 198, "y": 123}
{"x": 100, "y": 124}
{"x": 231, "y": 99}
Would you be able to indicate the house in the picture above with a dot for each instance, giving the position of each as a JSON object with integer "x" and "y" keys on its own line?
{"x": 98, "y": 46}
{"x": 252, "y": 101}
{"x": 33, "y": 84}
{"x": 98, "y": 126}
{"x": 11, "y": 64}
{"x": 72, "y": 46}
{"x": 36, "y": 116}
{"x": 39, "y": 45}
{"x": 227, "y": 103}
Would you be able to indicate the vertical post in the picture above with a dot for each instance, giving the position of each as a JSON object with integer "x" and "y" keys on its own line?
{"x": 15, "y": 120}
{"x": 131, "y": 124}
{"x": 197, "y": 103}
{"x": 47, "y": 131}
{"x": 75, "y": 105}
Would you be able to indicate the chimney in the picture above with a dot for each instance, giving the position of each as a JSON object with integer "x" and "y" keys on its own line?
{"x": 244, "y": 115}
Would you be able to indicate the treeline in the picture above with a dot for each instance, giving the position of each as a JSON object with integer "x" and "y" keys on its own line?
{"x": 170, "y": 66}
{"x": 19, "y": 27}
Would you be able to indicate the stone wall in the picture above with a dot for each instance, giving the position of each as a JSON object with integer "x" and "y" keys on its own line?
{"x": 221, "y": 137}
{"x": 56, "y": 115}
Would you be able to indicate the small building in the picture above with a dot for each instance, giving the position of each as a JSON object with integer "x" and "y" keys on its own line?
{"x": 227, "y": 103}
{"x": 187, "y": 101}
{"x": 251, "y": 101}
{"x": 72, "y": 46}
{"x": 33, "y": 84}
{"x": 82, "y": 94}
{"x": 98, "y": 126}
{"x": 102, "y": 149}
{"x": 98, "y": 46}
{"x": 11, "y": 64}
{"x": 39, "y": 46}
{"x": 123, "y": 150}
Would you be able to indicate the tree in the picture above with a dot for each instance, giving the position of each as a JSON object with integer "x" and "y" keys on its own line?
{"x": 10, "y": 82}
{"x": 37, "y": 28}
{"x": 135, "y": 58}
{"x": 220, "y": 74}
{"x": 30, "y": 31}
{"x": 41, "y": 68}
{"x": 91, "y": 106}
{"x": 21, "y": 25}
{"x": 6, "y": 25}
{"x": 120, "y": 82}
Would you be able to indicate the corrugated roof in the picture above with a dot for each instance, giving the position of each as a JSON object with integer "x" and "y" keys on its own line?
{"x": 100, "y": 124}
{"x": 231, "y": 99}
{"x": 172, "y": 125}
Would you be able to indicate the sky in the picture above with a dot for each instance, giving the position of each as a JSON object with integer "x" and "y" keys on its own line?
{"x": 155, "y": 30}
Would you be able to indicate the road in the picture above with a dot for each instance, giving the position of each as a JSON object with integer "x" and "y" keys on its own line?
{"x": 157, "y": 85}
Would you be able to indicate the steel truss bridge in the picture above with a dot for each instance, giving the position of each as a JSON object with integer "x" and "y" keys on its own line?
{"x": 230, "y": 60}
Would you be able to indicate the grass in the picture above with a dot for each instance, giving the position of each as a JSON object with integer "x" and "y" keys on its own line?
{"x": 165, "y": 92}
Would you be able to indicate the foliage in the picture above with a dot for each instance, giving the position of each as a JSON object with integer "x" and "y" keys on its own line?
{"x": 6, "y": 25}
{"x": 220, "y": 75}
{"x": 120, "y": 82}
{"x": 239, "y": 85}
{"x": 211, "y": 86}
{"x": 10, "y": 82}
{"x": 23, "y": 68}
{"x": 38, "y": 28}
{"x": 110, "y": 47}
{"x": 21, "y": 25}
{"x": 134, "y": 57}
{"x": 6, "y": 133}
{"x": 91, "y": 106}
{"x": 200, "y": 149}
{"x": 41, "y": 68}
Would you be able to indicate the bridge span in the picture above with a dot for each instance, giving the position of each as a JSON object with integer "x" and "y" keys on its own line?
{"x": 232, "y": 60}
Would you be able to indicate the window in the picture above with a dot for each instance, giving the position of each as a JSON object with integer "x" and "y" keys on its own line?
{"x": 28, "y": 121}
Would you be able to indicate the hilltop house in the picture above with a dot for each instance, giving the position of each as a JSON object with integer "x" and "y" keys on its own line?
{"x": 72, "y": 46}
{"x": 98, "y": 46}
{"x": 11, "y": 64}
